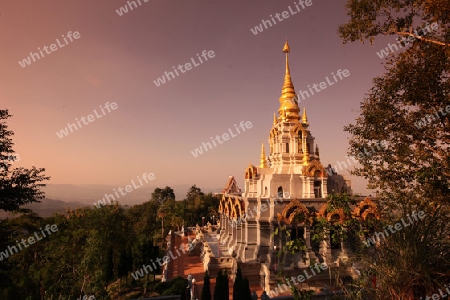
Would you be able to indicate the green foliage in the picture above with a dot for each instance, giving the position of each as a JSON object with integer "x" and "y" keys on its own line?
{"x": 175, "y": 286}
{"x": 369, "y": 19}
{"x": 295, "y": 246}
{"x": 198, "y": 205}
{"x": 206, "y": 290}
{"x": 18, "y": 186}
{"x": 241, "y": 289}
{"x": 343, "y": 201}
{"x": 406, "y": 109}
{"x": 339, "y": 231}
{"x": 299, "y": 294}
{"x": 193, "y": 193}
{"x": 93, "y": 252}
{"x": 221, "y": 290}
{"x": 247, "y": 293}
{"x": 163, "y": 195}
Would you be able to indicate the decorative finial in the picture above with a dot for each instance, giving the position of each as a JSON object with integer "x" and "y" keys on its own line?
{"x": 275, "y": 122}
{"x": 287, "y": 99}
{"x": 304, "y": 117}
{"x": 263, "y": 163}
{"x": 286, "y": 48}
{"x": 317, "y": 150}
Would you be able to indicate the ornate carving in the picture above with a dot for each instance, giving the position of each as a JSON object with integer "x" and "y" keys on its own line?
{"x": 337, "y": 212}
{"x": 293, "y": 209}
{"x": 314, "y": 166}
{"x": 366, "y": 208}
{"x": 251, "y": 172}
{"x": 329, "y": 215}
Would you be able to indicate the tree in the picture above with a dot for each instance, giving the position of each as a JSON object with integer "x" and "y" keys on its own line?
{"x": 369, "y": 19}
{"x": 405, "y": 125}
{"x": 206, "y": 290}
{"x": 221, "y": 291}
{"x": 163, "y": 195}
{"x": 241, "y": 287}
{"x": 404, "y": 120}
{"x": 193, "y": 192}
{"x": 247, "y": 291}
{"x": 18, "y": 186}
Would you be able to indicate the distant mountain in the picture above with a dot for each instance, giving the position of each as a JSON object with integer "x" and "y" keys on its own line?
{"x": 73, "y": 196}
{"x": 46, "y": 208}
{"x": 87, "y": 194}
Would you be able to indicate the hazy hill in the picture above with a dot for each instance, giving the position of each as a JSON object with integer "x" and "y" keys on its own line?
{"x": 46, "y": 208}
{"x": 90, "y": 193}
{"x": 73, "y": 196}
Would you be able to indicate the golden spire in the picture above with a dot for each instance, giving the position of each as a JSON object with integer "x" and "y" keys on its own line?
{"x": 304, "y": 117}
{"x": 288, "y": 98}
{"x": 275, "y": 122}
{"x": 263, "y": 163}
{"x": 306, "y": 152}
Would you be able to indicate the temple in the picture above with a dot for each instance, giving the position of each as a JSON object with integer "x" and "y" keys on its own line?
{"x": 289, "y": 186}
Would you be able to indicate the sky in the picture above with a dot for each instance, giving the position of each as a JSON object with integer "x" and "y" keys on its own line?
{"x": 116, "y": 60}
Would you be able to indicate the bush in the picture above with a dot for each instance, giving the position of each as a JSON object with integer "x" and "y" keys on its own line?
{"x": 175, "y": 286}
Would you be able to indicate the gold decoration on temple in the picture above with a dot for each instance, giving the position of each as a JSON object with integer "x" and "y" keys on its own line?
{"x": 304, "y": 117}
{"x": 306, "y": 152}
{"x": 275, "y": 122}
{"x": 286, "y": 48}
{"x": 288, "y": 97}
{"x": 295, "y": 210}
{"x": 263, "y": 163}
{"x": 366, "y": 209}
{"x": 251, "y": 172}
{"x": 332, "y": 215}
{"x": 314, "y": 166}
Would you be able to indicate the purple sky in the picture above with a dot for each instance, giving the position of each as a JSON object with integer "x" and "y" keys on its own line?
{"x": 154, "y": 129}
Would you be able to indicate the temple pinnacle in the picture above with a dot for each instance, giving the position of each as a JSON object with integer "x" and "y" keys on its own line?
{"x": 263, "y": 163}
{"x": 286, "y": 48}
{"x": 288, "y": 101}
{"x": 304, "y": 117}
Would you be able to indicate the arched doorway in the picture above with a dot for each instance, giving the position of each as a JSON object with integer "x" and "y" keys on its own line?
{"x": 317, "y": 185}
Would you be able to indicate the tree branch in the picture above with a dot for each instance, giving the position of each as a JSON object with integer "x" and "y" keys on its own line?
{"x": 423, "y": 38}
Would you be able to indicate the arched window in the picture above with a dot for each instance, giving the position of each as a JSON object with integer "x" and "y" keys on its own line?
{"x": 280, "y": 192}
{"x": 300, "y": 143}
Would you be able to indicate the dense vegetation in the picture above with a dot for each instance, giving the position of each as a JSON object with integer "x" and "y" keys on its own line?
{"x": 408, "y": 109}
{"x": 94, "y": 249}
{"x": 87, "y": 251}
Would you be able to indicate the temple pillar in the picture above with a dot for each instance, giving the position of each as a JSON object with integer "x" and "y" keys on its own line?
{"x": 225, "y": 229}
{"x": 311, "y": 187}
{"x": 240, "y": 242}
{"x": 310, "y": 255}
{"x": 248, "y": 252}
{"x": 324, "y": 187}
{"x": 325, "y": 249}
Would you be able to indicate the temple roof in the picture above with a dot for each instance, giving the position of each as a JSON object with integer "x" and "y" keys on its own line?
{"x": 231, "y": 187}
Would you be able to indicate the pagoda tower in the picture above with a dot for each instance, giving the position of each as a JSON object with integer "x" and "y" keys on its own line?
{"x": 290, "y": 181}
{"x": 293, "y": 168}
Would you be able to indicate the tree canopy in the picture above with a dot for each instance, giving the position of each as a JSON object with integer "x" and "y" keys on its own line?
{"x": 408, "y": 108}
{"x": 98, "y": 252}
{"x": 18, "y": 186}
